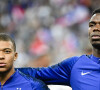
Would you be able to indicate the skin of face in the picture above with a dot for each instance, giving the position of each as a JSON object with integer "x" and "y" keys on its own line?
{"x": 94, "y": 31}
{"x": 7, "y": 56}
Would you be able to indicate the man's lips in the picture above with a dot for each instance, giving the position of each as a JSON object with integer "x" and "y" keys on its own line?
{"x": 95, "y": 36}
{"x": 2, "y": 64}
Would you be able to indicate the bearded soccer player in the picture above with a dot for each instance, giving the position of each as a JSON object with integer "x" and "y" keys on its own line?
{"x": 79, "y": 72}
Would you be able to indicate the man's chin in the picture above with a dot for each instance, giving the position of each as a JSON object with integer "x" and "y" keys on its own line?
{"x": 2, "y": 70}
{"x": 96, "y": 46}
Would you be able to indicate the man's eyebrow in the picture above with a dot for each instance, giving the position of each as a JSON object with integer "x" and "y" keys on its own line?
{"x": 92, "y": 22}
{"x": 7, "y": 48}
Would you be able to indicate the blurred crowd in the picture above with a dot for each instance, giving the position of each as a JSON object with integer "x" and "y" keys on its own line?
{"x": 47, "y": 31}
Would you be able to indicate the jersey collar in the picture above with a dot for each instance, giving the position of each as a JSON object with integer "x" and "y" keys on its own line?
{"x": 95, "y": 59}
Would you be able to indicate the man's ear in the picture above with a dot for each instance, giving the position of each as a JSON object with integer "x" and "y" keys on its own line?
{"x": 16, "y": 55}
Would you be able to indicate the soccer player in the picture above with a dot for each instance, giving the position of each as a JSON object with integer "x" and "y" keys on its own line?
{"x": 79, "y": 72}
{"x": 9, "y": 78}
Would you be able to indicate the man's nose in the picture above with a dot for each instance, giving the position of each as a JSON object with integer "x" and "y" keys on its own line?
{"x": 97, "y": 27}
{"x": 1, "y": 55}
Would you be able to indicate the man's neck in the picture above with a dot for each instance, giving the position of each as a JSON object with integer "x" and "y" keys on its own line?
{"x": 4, "y": 76}
{"x": 96, "y": 52}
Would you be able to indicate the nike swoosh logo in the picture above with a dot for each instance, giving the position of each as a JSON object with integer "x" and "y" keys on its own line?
{"x": 82, "y": 73}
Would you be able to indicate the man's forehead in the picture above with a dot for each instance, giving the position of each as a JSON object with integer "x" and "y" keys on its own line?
{"x": 95, "y": 17}
{"x": 6, "y": 43}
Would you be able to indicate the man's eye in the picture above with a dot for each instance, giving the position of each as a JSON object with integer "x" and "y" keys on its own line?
{"x": 7, "y": 51}
{"x": 91, "y": 25}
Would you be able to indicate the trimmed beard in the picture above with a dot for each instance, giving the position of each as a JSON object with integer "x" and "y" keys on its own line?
{"x": 96, "y": 46}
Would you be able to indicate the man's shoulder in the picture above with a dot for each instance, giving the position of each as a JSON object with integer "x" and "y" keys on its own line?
{"x": 73, "y": 59}
{"x": 39, "y": 84}
{"x": 70, "y": 62}
{"x": 35, "y": 83}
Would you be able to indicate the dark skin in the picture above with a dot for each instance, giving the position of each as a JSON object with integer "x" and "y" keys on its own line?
{"x": 94, "y": 34}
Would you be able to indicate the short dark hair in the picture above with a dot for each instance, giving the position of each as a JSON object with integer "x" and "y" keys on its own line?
{"x": 96, "y": 11}
{"x": 6, "y": 37}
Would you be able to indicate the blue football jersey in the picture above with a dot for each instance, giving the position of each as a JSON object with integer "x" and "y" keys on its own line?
{"x": 20, "y": 81}
{"x": 79, "y": 72}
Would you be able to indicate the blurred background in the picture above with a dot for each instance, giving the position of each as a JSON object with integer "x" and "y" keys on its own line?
{"x": 47, "y": 31}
